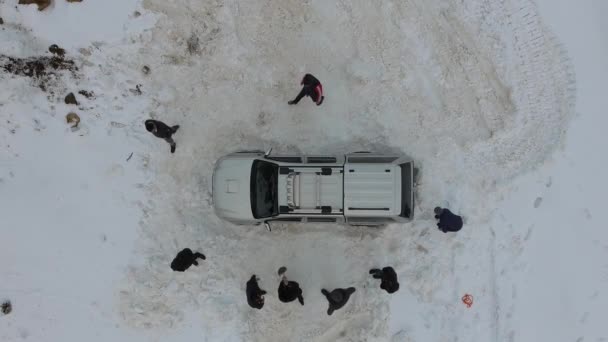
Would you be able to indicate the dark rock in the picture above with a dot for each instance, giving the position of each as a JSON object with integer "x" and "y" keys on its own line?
{"x": 73, "y": 119}
{"x": 56, "y": 50}
{"x": 87, "y": 94}
{"x": 193, "y": 44}
{"x": 42, "y": 4}
{"x": 71, "y": 99}
{"x": 42, "y": 69}
{"x": 145, "y": 70}
{"x": 6, "y": 307}
{"x": 137, "y": 91}
{"x": 1, "y": 21}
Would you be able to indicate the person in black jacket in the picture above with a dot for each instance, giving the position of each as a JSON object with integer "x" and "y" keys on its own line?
{"x": 389, "y": 278}
{"x": 184, "y": 259}
{"x": 311, "y": 87}
{"x": 337, "y": 298}
{"x": 289, "y": 290}
{"x": 163, "y": 131}
{"x": 255, "y": 295}
{"x": 448, "y": 221}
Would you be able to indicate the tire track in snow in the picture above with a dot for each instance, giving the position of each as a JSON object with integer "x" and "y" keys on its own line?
{"x": 495, "y": 301}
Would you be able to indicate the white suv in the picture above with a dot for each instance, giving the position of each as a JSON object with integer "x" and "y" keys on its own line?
{"x": 369, "y": 189}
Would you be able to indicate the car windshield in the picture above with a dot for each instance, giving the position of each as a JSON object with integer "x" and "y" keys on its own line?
{"x": 264, "y": 184}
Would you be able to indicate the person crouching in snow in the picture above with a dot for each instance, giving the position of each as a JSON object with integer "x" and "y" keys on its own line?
{"x": 163, "y": 131}
{"x": 289, "y": 290}
{"x": 255, "y": 295}
{"x": 448, "y": 221}
{"x": 337, "y": 298}
{"x": 184, "y": 259}
{"x": 389, "y": 278}
{"x": 311, "y": 87}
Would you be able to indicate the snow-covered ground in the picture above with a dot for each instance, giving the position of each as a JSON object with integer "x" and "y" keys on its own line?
{"x": 481, "y": 94}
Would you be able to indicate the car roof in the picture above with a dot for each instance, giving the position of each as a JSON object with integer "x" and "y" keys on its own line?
{"x": 311, "y": 190}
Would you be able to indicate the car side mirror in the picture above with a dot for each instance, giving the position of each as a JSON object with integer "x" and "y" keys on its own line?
{"x": 268, "y": 152}
{"x": 267, "y": 225}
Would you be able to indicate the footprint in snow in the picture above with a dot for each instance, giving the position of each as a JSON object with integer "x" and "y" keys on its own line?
{"x": 587, "y": 214}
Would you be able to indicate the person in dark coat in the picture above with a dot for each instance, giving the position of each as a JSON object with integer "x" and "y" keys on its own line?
{"x": 448, "y": 221}
{"x": 289, "y": 290}
{"x": 185, "y": 259}
{"x": 255, "y": 295}
{"x": 163, "y": 131}
{"x": 310, "y": 87}
{"x": 337, "y": 298}
{"x": 389, "y": 278}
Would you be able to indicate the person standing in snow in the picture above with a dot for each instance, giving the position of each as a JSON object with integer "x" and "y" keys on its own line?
{"x": 389, "y": 278}
{"x": 337, "y": 298}
{"x": 448, "y": 221}
{"x": 185, "y": 259}
{"x": 163, "y": 131}
{"x": 255, "y": 295}
{"x": 289, "y": 290}
{"x": 310, "y": 87}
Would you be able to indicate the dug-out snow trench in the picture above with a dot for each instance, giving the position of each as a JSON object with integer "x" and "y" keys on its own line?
{"x": 476, "y": 92}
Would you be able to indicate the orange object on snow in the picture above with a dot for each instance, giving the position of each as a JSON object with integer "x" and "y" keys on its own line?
{"x": 467, "y": 299}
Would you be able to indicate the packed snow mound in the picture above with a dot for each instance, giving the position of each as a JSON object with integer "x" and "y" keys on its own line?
{"x": 476, "y": 92}
{"x": 480, "y": 89}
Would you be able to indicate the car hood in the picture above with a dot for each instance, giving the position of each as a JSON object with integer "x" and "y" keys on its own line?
{"x": 232, "y": 189}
